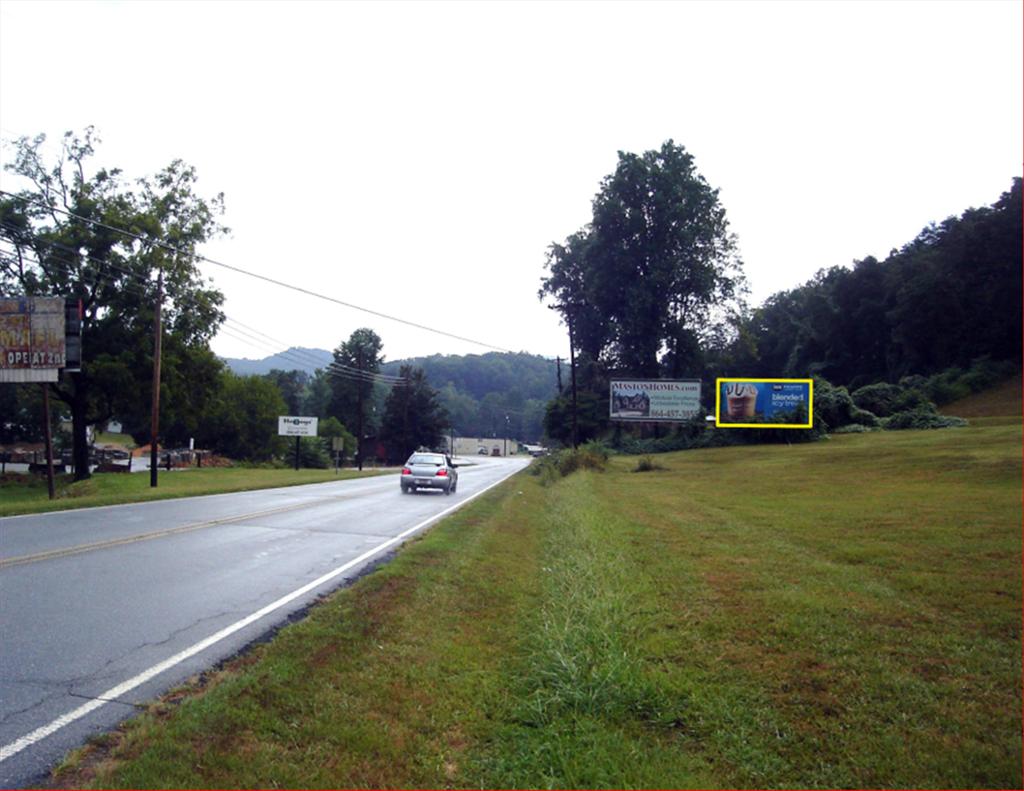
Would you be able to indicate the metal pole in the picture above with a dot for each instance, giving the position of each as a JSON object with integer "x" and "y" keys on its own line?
{"x": 154, "y": 423}
{"x": 49, "y": 440}
{"x": 572, "y": 364}
{"x": 359, "y": 410}
{"x": 297, "y": 442}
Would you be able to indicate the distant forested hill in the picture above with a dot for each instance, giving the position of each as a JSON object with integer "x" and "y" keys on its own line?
{"x": 296, "y": 358}
{"x": 481, "y": 390}
{"x": 485, "y": 394}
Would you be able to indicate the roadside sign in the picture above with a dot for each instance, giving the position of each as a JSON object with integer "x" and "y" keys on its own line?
{"x": 31, "y": 339}
{"x": 772, "y": 401}
{"x": 654, "y": 400}
{"x": 291, "y": 426}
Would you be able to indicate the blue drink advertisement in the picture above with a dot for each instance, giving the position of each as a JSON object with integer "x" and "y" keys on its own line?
{"x": 771, "y": 402}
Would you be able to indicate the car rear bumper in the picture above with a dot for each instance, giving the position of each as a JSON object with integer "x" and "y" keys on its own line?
{"x": 419, "y": 482}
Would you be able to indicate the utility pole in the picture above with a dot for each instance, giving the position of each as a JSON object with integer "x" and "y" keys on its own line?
{"x": 558, "y": 362}
{"x": 506, "y": 435}
{"x": 405, "y": 415}
{"x": 154, "y": 421}
{"x": 572, "y": 368}
{"x": 359, "y": 411}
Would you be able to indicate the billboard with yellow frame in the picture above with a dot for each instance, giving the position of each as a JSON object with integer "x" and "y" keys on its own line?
{"x": 738, "y": 400}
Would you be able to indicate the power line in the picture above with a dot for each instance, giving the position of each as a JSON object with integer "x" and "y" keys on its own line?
{"x": 241, "y": 271}
{"x": 64, "y": 265}
{"x": 289, "y": 354}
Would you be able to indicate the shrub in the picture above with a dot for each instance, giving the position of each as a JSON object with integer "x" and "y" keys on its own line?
{"x": 592, "y": 456}
{"x": 880, "y": 398}
{"x": 921, "y": 418}
{"x": 956, "y": 383}
{"x": 545, "y": 470}
{"x": 854, "y": 428}
{"x": 832, "y": 405}
{"x": 647, "y": 464}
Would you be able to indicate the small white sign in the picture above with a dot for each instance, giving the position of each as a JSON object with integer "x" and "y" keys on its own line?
{"x": 291, "y": 426}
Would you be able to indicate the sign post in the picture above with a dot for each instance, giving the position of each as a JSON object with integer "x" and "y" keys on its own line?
{"x": 338, "y": 446}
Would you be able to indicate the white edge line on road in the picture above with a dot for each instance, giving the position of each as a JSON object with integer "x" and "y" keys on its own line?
{"x": 123, "y": 688}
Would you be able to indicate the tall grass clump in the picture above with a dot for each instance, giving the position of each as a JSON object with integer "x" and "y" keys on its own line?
{"x": 647, "y": 464}
{"x": 582, "y": 682}
{"x": 591, "y": 456}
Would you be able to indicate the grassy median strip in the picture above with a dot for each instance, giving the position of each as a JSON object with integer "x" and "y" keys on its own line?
{"x": 27, "y": 494}
{"x": 845, "y": 613}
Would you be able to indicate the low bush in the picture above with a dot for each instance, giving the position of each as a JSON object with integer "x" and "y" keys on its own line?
{"x": 921, "y": 418}
{"x": 834, "y": 406}
{"x": 647, "y": 464}
{"x": 956, "y": 383}
{"x": 854, "y": 428}
{"x": 591, "y": 456}
{"x": 883, "y": 399}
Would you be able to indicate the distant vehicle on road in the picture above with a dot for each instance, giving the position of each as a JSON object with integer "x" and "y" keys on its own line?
{"x": 429, "y": 471}
{"x": 495, "y": 451}
{"x": 482, "y": 451}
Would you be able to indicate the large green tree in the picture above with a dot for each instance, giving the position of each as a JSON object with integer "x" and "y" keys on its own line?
{"x": 356, "y": 362}
{"x": 413, "y": 416}
{"x": 62, "y": 235}
{"x": 241, "y": 421}
{"x": 642, "y": 285}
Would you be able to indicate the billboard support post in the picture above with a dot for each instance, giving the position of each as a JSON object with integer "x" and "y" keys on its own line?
{"x": 48, "y": 436}
{"x": 298, "y": 440}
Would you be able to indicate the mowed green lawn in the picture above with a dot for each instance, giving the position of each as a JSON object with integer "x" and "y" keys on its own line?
{"x": 839, "y": 614}
{"x": 27, "y": 494}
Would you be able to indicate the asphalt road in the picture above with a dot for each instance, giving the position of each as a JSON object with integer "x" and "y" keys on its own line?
{"x": 103, "y": 609}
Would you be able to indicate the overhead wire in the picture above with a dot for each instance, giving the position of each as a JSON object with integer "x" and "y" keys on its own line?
{"x": 241, "y": 332}
{"x": 239, "y": 270}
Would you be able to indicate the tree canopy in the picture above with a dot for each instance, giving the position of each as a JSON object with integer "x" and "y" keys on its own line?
{"x": 413, "y": 416}
{"x": 947, "y": 298}
{"x": 352, "y": 383}
{"x": 64, "y": 235}
{"x": 641, "y": 285}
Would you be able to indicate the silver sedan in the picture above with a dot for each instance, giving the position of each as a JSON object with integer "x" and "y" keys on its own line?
{"x": 429, "y": 471}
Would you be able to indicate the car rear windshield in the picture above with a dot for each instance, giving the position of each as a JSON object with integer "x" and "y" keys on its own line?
{"x": 422, "y": 458}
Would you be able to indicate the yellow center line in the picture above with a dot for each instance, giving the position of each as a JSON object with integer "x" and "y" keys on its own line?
{"x": 116, "y": 542}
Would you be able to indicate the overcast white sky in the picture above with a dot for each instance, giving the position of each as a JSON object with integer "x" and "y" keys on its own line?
{"x": 418, "y": 158}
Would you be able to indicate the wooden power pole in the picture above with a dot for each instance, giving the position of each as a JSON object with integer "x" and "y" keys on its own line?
{"x": 154, "y": 419}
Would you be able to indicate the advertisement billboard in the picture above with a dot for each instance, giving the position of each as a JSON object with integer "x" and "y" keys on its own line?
{"x": 31, "y": 338}
{"x": 291, "y": 426}
{"x": 763, "y": 403}
{"x": 654, "y": 400}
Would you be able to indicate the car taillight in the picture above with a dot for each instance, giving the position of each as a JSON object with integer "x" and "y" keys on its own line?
{"x": 406, "y": 471}
{"x": 442, "y": 472}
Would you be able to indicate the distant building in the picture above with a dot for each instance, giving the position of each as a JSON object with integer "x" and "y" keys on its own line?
{"x": 485, "y": 446}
